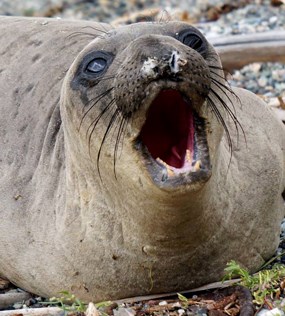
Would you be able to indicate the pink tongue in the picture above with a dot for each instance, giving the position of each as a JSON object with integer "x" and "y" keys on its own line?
{"x": 169, "y": 128}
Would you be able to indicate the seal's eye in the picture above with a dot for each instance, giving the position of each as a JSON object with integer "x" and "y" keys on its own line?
{"x": 193, "y": 40}
{"x": 97, "y": 65}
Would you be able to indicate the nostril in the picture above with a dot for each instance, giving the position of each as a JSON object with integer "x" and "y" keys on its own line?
{"x": 173, "y": 61}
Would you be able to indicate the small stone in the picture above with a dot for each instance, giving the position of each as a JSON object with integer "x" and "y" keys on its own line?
{"x": 163, "y": 303}
{"x": 124, "y": 312}
{"x": 181, "y": 311}
{"x": 17, "y": 305}
{"x": 269, "y": 88}
{"x": 262, "y": 82}
{"x": 176, "y": 304}
{"x": 273, "y": 19}
{"x": 272, "y": 312}
{"x": 269, "y": 94}
{"x": 280, "y": 86}
{"x": 254, "y": 67}
{"x": 261, "y": 28}
{"x": 238, "y": 76}
{"x": 282, "y": 303}
{"x": 217, "y": 29}
{"x": 30, "y": 302}
{"x": 251, "y": 85}
{"x": 92, "y": 310}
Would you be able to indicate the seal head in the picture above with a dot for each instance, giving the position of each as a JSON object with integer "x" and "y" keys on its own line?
{"x": 156, "y": 83}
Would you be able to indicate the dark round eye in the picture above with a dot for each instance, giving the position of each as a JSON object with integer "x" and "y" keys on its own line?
{"x": 97, "y": 65}
{"x": 193, "y": 40}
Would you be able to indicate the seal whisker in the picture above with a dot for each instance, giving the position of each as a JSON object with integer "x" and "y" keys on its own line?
{"x": 74, "y": 34}
{"x": 216, "y": 67}
{"x": 122, "y": 128}
{"x": 165, "y": 17}
{"x": 230, "y": 112}
{"x": 94, "y": 35}
{"x": 219, "y": 76}
{"x": 221, "y": 87}
{"x": 118, "y": 62}
{"x": 96, "y": 100}
{"x": 226, "y": 71}
{"x": 222, "y": 121}
{"x": 108, "y": 78}
{"x": 111, "y": 122}
{"x": 105, "y": 31}
{"x": 228, "y": 88}
{"x": 96, "y": 120}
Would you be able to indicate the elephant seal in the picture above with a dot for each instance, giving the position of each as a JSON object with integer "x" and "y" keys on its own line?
{"x": 128, "y": 165}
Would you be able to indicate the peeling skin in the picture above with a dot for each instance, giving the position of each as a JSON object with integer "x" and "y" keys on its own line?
{"x": 148, "y": 67}
{"x": 173, "y": 64}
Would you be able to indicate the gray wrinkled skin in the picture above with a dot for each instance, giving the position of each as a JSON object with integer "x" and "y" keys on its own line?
{"x": 62, "y": 228}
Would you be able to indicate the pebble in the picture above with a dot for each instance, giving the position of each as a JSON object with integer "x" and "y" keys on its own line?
{"x": 266, "y": 79}
{"x": 262, "y": 82}
{"x": 272, "y": 312}
{"x": 249, "y": 19}
{"x": 17, "y": 305}
{"x": 124, "y": 312}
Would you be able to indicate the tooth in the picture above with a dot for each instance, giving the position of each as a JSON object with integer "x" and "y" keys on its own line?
{"x": 197, "y": 165}
{"x": 161, "y": 162}
{"x": 188, "y": 156}
{"x": 170, "y": 172}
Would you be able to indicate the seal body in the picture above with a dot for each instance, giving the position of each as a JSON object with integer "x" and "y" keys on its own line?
{"x": 128, "y": 165}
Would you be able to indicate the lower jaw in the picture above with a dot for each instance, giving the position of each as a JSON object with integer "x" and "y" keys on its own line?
{"x": 193, "y": 180}
{"x": 171, "y": 178}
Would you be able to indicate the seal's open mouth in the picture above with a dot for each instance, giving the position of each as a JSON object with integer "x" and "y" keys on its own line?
{"x": 174, "y": 137}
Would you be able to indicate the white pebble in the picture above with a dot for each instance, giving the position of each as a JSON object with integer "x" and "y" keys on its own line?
{"x": 262, "y": 82}
{"x": 272, "y": 312}
{"x": 273, "y": 19}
